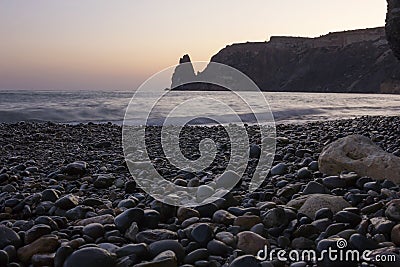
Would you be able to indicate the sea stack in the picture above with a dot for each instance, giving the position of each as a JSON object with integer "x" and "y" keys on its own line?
{"x": 184, "y": 72}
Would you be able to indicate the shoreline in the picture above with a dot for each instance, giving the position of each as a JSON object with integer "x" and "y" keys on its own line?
{"x": 276, "y": 123}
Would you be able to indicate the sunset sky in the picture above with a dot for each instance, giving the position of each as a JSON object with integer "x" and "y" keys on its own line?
{"x": 116, "y": 45}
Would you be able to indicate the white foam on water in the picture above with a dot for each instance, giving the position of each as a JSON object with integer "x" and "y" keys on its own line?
{"x": 109, "y": 106}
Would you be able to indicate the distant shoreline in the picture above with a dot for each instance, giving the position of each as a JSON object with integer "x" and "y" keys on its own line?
{"x": 357, "y": 61}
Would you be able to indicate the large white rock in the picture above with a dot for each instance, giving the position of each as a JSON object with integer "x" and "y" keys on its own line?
{"x": 310, "y": 204}
{"x": 359, "y": 154}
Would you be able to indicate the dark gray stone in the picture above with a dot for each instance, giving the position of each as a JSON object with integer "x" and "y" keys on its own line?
{"x": 218, "y": 248}
{"x": 8, "y": 237}
{"x": 4, "y": 259}
{"x": 62, "y": 254}
{"x": 50, "y": 195}
{"x": 164, "y": 245}
{"x": 245, "y": 261}
{"x": 140, "y": 250}
{"x": 315, "y": 188}
{"x": 362, "y": 243}
{"x": 90, "y": 257}
{"x": 255, "y": 151}
{"x": 126, "y": 218}
{"x": 67, "y": 202}
{"x": 202, "y": 234}
{"x": 151, "y": 236}
{"x": 347, "y": 217}
{"x": 304, "y": 173}
{"x": 196, "y": 255}
{"x": 94, "y": 230}
{"x": 76, "y": 168}
{"x": 279, "y": 169}
{"x": 35, "y": 232}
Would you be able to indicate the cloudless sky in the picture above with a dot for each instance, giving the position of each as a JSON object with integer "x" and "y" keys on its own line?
{"x": 103, "y": 44}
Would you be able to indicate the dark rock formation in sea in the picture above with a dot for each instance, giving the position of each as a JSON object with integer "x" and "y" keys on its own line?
{"x": 393, "y": 26}
{"x": 358, "y": 61}
{"x": 184, "y": 72}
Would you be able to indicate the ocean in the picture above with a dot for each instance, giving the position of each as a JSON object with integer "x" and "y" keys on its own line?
{"x": 110, "y": 106}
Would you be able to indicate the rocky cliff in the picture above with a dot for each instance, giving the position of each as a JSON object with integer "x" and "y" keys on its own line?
{"x": 393, "y": 26}
{"x": 359, "y": 61}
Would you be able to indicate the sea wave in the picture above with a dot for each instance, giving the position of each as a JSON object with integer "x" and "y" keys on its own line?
{"x": 110, "y": 106}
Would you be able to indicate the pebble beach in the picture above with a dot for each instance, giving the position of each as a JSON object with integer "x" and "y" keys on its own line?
{"x": 67, "y": 199}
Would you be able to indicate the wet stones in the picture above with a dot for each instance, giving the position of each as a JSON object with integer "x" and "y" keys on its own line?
{"x": 130, "y": 187}
{"x": 333, "y": 182}
{"x": 4, "y": 178}
{"x": 227, "y": 238}
{"x": 219, "y": 248}
{"x": 50, "y": 195}
{"x": 202, "y": 234}
{"x": 126, "y": 218}
{"x": 35, "y": 232}
{"x": 255, "y": 151}
{"x": 140, "y": 250}
{"x": 279, "y": 169}
{"x": 304, "y": 173}
{"x": 61, "y": 255}
{"x": 372, "y": 208}
{"x": 275, "y": 218}
{"x": 381, "y": 225}
{"x": 164, "y": 245}
{"x": 186, "y": 213}
{"x": 302, "y": 243}
{"x": 223, "y": 217}
{"x": 46, "y": 259}
{"x": 324, "y": 213}
{"x": 196, "y": 255}
{"x": 103, "y": 181}
{"x": 347, "y": 217}
{"x": 76, "y": 168}
{"x": 395, "y": 235}
{"x": 393, "y": 210}
{"x": 94, "y": 230}
{"x": 245, "y": 261}
{"x": 250, "y": 242}
{"x": 78, "y": 212}
{"x": 90, "y": 257}
{"x": 101, "y": 219}
{"x": 306, "y": 230}
{"x": 362, "y": 243}
{"x": 9, "y": 237}
{"x": 246, "y": 222}
{"x": 151, "y": 218}
{"x": 315, "y": 188}
{"x": 151, "y": 236}
{"x": 44, "y": 244}
{"x": 132, "y": 229}
{"x": 67, "y": 202}
{"x": 4, "y": 259}
{"x": 165, "y": 258}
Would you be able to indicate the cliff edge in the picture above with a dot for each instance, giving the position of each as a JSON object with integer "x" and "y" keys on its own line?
{"x": 358, "y": 61}
{"x": 393, "y": 26}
